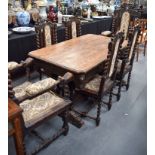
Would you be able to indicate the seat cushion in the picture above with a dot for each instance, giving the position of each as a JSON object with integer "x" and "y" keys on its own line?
{"x": 12, "y": 65}
{"x": 20, "y": 90}
{"x": 38, "y": 108}
{"x": 40, "y": 86}
{"x": 94, "y": 84}
{"x": 106, "y": 33}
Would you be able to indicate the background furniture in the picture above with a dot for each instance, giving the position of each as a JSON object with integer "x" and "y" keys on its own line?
{"x": 14, "y": 116}
{"x": 20, "y": 44}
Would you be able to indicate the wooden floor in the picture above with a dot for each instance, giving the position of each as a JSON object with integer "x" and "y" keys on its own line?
{"x": 123, "y": 130}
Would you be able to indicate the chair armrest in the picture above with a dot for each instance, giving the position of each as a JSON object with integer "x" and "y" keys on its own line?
{"x": 13, "y": 66}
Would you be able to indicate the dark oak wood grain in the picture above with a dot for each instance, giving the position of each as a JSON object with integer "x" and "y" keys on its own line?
{"x": 77, "y": 55}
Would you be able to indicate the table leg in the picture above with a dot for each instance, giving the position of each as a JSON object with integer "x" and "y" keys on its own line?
{"x": 18, "y": 136}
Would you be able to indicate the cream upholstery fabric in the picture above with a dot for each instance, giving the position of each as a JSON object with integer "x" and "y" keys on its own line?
{"x": 94, "y": 84}
{"x": 106, "y": 33}
{"x": 48, "y": 34}
{"x": 40, "y": 86}
{"x": 114, "y": 58}
{"x": 125, "y": 23}
{"x": 12, "y": 65}
{"x": 20, "y": 90}
{"x": 40, "y": 107}
{"x": 132, "y": 46}
{"x": 74, "y": 33}
{"x": 125, "y": 43}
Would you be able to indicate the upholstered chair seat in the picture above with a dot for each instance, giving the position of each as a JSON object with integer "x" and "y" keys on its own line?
{"x": 12, "y": 65}
{"x": 94, "y": 84}
{"x": 106, "y": 33}
{"x": 40, "y": 107}
{"x": 20, "y": 90}
{"x": 29, "y": 89}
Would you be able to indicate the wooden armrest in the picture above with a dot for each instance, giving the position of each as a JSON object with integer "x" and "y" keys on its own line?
{"x": 66, "y": 78}
{"x": 28, "y": 62}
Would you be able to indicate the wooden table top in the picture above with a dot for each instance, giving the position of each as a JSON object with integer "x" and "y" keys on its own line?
{"x": 13, "y": 109}
{"x": 78, "y": 55}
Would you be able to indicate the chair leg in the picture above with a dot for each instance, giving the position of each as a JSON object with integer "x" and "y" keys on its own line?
{"x": 119, "y": 90}
{"x": 98, "y": 113}
{"x": 128, "y": 81}
{"x": 65, "y": 123}
{"x": 110, "y": 99}
{"x": 145, "y": 44}
{"x": 137, "y": 52}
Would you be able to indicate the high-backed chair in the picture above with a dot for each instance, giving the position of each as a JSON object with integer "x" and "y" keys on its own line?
{"x": 100, "y": 85}
{"x": 72, "y": 28}
{"x": 119, "y": 25}
{"x": 39, "y": 102}
{"x": 46, "y": 34}
{"x": 125, "y": 64}
{"x": 143, "y": 35}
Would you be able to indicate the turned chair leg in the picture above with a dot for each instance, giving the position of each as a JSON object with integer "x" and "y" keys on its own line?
{"x": 98, "y": 114}
{"x": 110, "y": 99}
{"x": 65, "y": 123}
{"x": 119, "y": 90}
{"x": 145, "y": 44}
{"x": 128, "y": 80}
{"x": 138, "y": 52}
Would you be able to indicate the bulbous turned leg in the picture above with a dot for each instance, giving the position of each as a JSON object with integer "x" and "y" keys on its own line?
{"x": 98, "y": 114}
{"x": 65, "y": 123}
{"x": 128, "y": 80}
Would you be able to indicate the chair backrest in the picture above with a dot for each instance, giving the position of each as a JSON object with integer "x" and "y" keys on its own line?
{"x": 113, "y": 53}
{"x": 72, "y": 28}
{"x": 125, "y": 21}
{"x": 133, "y": 44}
{"x": 46, "y": 34}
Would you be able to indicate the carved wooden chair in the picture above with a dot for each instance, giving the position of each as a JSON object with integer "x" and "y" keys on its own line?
{"x": 39, "y": 102}
{"x": 100, "y": 85}
{"x": 120, "y": 24}
{"x": 142, "y": 36}
{"x": 72, "y": 28}
{"x": 126, "y": 60}
{"x": 46, "y": 34}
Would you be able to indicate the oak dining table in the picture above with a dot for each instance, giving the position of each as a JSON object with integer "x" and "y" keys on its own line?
{"x": 82, "y": 56}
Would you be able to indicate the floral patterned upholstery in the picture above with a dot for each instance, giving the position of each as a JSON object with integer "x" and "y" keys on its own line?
{"x": 12, "y": 65}
{"x": 125, "y": 23}
{"x": 114, "y": 58}
{"x": 40, "y": 86}
{"x": 20, "y": 90}
{"x": 94, "y": 84}
{"x": 41, "y": 107}
{"x": 48, "y": 34}
{"x": 132, "y": 46}
{"x": 73, "y": 25}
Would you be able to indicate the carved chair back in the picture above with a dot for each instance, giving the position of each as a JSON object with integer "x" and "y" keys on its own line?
{"x": 133, "y": 44}
{"x": 110, "y": 66}
{"x": 121, "y": 22}
{"x": 72, "y": 28}
{"x": 113, "y": 53}
{"x": 46, "y": 34}
{"x": 125, "y": 21}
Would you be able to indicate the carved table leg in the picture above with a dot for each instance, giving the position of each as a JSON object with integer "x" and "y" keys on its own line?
{"x": 18, "y": 136}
